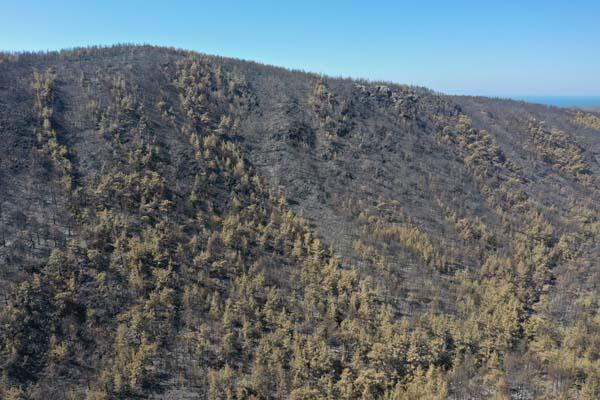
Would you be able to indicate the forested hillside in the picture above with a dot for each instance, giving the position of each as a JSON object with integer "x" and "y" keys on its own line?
{"x": 182, "y": 226}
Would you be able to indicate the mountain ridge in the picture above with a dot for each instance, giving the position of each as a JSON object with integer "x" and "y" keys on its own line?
{"x": 287, "y": 234}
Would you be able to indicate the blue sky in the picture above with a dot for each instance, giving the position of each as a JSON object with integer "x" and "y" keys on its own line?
{"x": 526, "y": 47}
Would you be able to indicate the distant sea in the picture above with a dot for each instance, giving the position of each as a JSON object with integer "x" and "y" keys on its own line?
{"x": 587, "y": 102}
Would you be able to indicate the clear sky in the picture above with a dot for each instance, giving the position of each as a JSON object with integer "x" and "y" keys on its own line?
{"x": 489, "y": 47}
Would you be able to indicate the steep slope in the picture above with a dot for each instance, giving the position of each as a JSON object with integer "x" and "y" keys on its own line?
{"x": 175, "y": 225}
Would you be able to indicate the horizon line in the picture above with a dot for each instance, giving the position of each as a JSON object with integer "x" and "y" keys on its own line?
{"x": 510, "y": 96}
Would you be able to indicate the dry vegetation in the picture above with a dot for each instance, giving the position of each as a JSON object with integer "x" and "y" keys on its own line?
{"x": 175, "y": 225}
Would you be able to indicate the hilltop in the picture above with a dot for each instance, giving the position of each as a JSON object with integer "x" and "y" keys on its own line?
{"x": 178, "y": 225}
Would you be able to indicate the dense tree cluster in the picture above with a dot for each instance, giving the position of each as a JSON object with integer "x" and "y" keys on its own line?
{"x": 555, "y": 148}
{"x": 588, "y": 119}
